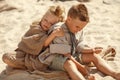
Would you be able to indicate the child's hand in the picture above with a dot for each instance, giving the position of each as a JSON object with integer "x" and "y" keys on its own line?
{"x": 59, "y": 32}
{"x": 91, "y": 77}
{"x": 97, "y": 49}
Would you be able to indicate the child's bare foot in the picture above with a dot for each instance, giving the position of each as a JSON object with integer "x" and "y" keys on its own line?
{"x": 109, "y": 53}
{"x": 117, "y": 76}
{"x": 112, "y": 50}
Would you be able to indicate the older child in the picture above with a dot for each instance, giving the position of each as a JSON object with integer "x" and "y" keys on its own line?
{"x": 32, "y": 43}
{"x": 76, "y": 20}
{"x": 49, "y": 54}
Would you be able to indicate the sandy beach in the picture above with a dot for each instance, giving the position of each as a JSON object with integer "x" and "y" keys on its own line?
{"x": 103, "y": 29}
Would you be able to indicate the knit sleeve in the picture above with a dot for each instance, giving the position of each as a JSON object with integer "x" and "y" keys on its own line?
{"x": 32, "y": 42}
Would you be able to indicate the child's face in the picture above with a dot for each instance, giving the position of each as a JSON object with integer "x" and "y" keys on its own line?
{"x": 48, "y": 20}
{"x": 75, "y": 25}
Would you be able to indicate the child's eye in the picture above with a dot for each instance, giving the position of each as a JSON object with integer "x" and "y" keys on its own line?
{"x": 51, "y": 23}
{"x": 45, "y": 20}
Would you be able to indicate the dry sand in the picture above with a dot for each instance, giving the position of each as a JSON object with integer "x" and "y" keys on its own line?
{"x": 103, "y": 29}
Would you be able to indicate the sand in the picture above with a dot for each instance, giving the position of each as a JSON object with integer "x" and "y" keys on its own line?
{"x": 103, "y": 29}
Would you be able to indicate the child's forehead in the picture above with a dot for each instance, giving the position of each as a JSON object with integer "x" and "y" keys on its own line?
{"x": 48, "y": 13}
{"x": 79, "y": 21}
{"x": 51, "y": 16}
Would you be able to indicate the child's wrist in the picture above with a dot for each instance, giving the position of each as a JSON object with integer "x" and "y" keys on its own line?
{"x": 54, "y": 35}
{"x": 86, "y": 77}
{"x": 93, "y": 50}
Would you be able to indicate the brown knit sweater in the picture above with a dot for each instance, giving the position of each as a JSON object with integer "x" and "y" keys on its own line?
{"x": 32, "y": 44}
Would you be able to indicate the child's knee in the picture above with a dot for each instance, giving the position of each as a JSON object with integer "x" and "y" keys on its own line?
{"x": 68, "y": 63}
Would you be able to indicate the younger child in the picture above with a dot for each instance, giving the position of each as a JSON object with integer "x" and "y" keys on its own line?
{"x": 32, "y": 43}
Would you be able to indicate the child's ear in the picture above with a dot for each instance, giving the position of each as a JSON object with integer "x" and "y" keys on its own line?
{"x": 69, "y": 18}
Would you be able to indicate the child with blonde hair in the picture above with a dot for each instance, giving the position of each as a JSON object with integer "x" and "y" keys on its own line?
{"x": 32, "y": 43}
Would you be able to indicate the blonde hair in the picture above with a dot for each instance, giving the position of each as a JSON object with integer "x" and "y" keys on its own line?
{"x": 57, "y": 11}
{"x": 79, "y": 11}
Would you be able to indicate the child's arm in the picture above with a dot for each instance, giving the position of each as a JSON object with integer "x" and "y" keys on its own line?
{"x": 91, "y": 50}
{"x": 55, "y": 33}
{"x": 33, "y": 40}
